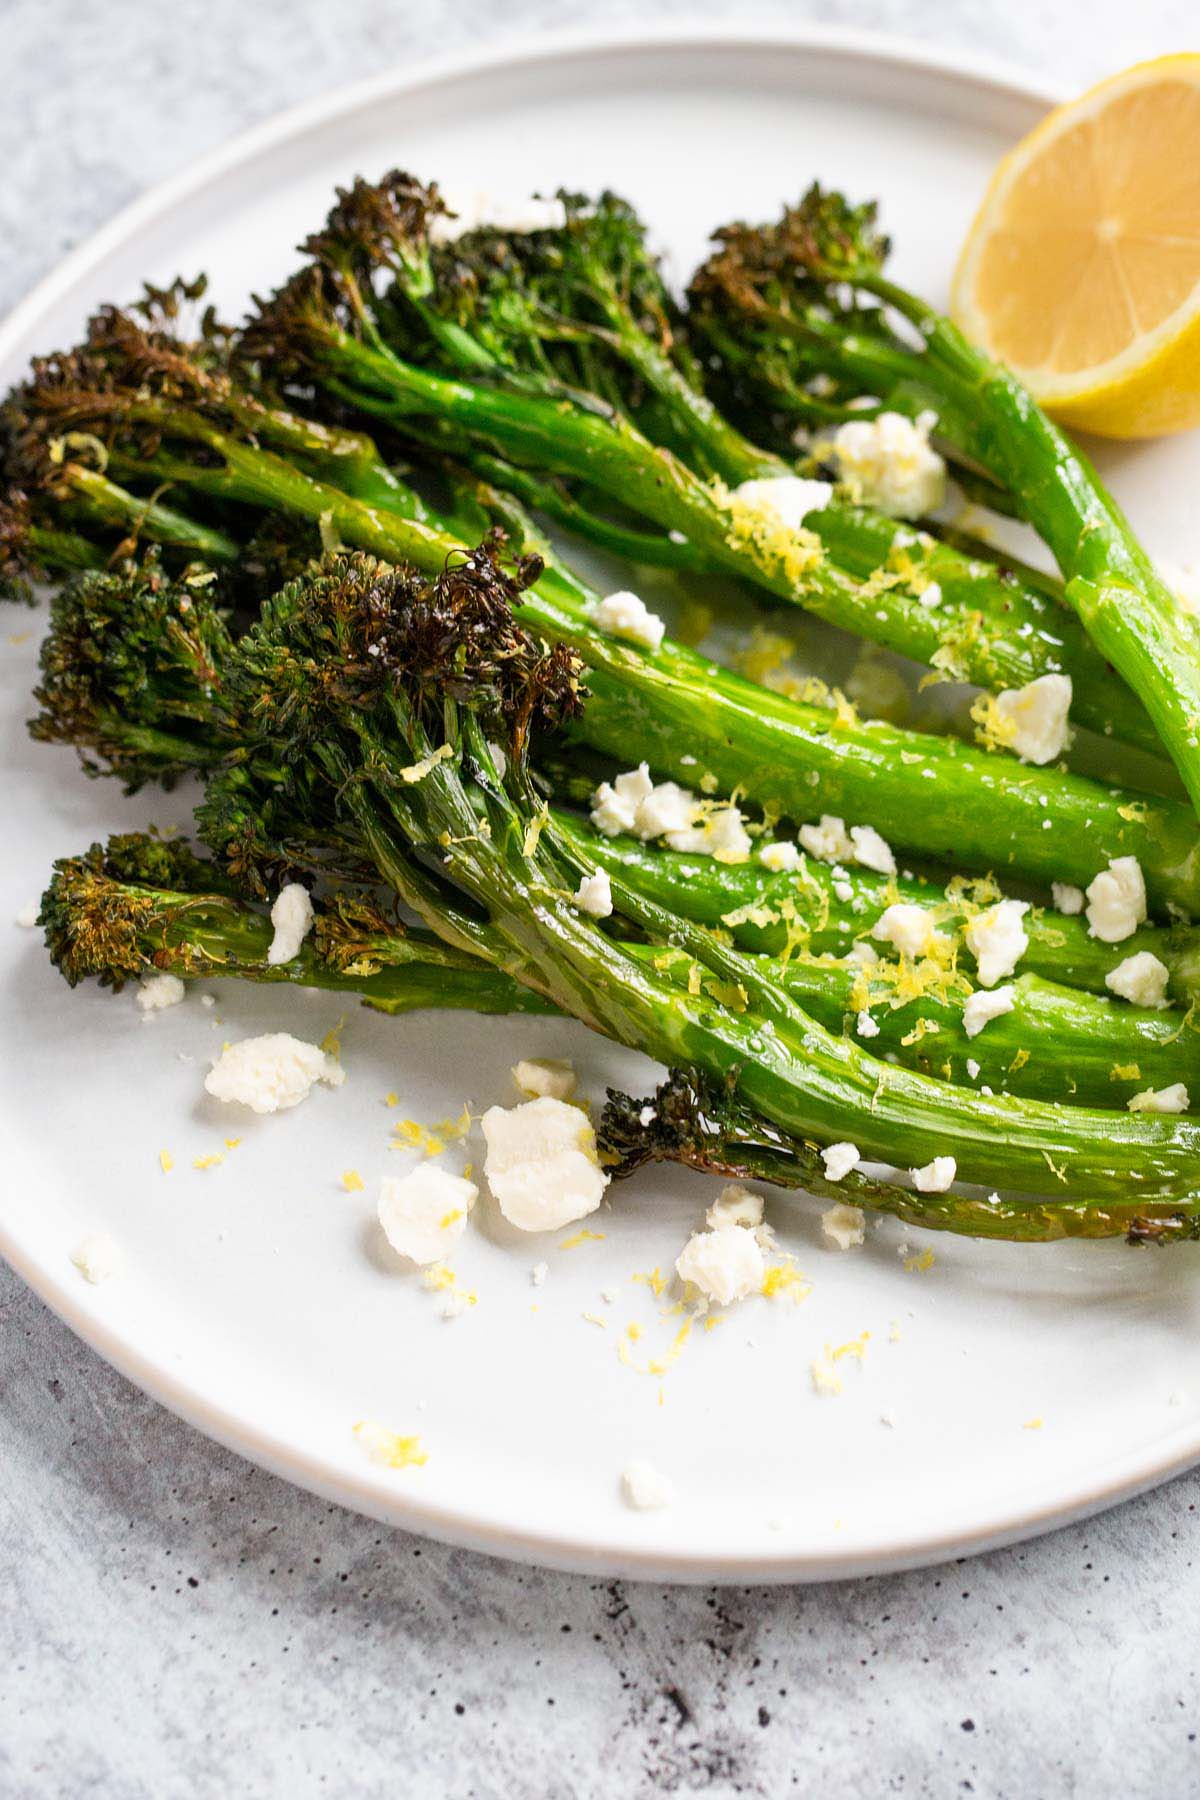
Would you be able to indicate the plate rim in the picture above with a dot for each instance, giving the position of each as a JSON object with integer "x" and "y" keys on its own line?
{"x": 371, "y": 1494}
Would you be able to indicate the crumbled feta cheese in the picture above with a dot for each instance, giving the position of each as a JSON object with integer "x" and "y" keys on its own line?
{"x": 424, "y": 1212}
{"x": 594, "y": 894}
{"x": 615, "y": 803}
{"x": 829, "y": 840}
{"x": 644, "y": 1488}
{"x": 27, "y": 918}
{"x": 891, "y": 464}
{"x": 789, "y": 497}
{"x": 474, "y": 208}
{"x": 1117, "y": 900}
{"x": 972, "y": 1065}
{"x": 1141, "y": 979}
{"x": 780, "y": 858}
{"x": 865, "y": 1025}
{"x": 844, "y": 1226}
{"x": 626, "y": 615}
{"x": 936, "y": 1176}
{"x": 208, "y": 1000}
{"x": 647, "y": 1116}
{"x": 930, "y": 595}
{"x": 156, "y": 991}
{"x": 735, "y": 1205}
{"x": 541, "y": 1163}
{"x": 538, "y": 1273}
{"x": 843, "y": 891}
{"x": 292, "y": 916}
{"x": 1033, "y": 720}
{"x": 997, "y": 939}
{"x": 982, "y": 1005}
{"x": 725, "y": 1264}
{"x": 862, "y": 952}
{"x": 541, "y": 1076}
{"x": 870, "y": 851}
{"x": 908, "y": 928}
{"x": 633, "y": 803}
{"x": 271, "y": 1073}
{"x": 720, "y": 834}
{"x": 98, "y": 1257}
{"x": 1173, "y": 1099}
{"x": 1068, "y": 899}
{"x": 839, "y": 1159}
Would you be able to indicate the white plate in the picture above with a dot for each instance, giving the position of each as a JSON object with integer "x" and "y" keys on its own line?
{"x": 259, "y": 1302}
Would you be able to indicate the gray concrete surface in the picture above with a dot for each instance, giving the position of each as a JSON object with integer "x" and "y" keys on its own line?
{"x": 176, "y": 1623}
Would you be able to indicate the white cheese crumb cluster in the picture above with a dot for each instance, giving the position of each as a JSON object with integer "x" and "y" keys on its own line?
{"x": 997, "y": 940}
{"x": 644, "y": 1489}
{"x": 1141, "y": 979}
{"x": 292, "y": 916}
{"x": 594, "y": 894}
{"x": 1173, "y": 1099}
{"x": 1034, "y": 720}
{"x": 1117, "y": 900}
{"x": 1068, "y": 899}
{"x": 545, "y": 1077}
{"x": 909, "y": 929}
{"x": 982, "y": 1006}
{"x": 839, "y": 1159}
{"x": 829, "y": 841}
{"x": 271, "y": 1073}
{"x": 636, "y": 804}
{"x": 98, "y": 1257}
{"x": 541, "y": 1163}
{"x": 626, "y": 615}
{"x": 891, "y": 464}
{"x": 780, "y": 858}
{"x": 936, "y": 1176}
{"x": 844, "y": 1226}
{"x": 156, "y": 991}
{"x": 788, "y": 498}
{"x": 725, "y": 1263}
{"x": 425, "y": 1212}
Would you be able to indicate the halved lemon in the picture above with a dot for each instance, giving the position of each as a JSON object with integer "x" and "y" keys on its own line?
{"x": 1082, "y": 269}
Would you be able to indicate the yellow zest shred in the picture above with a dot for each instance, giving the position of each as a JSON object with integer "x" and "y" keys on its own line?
{"x": 352, "y": 1181}
{"x": 389, "y": 1447}
{"x": 919, "y": 1262}
{"x": 419, "y": 770}
{"x": 166, "y": 1161}
{"x": 208, "y": 1162}
{"x": 582, "y": 1237}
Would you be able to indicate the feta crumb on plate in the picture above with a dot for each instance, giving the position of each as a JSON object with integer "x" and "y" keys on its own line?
{"x": 997, "y": 940}
{"x": 1173, "y": 1099}
{"x": 644, "y": 1488}
{"x": 27, "y": 918}
{"x": 936, "y": 1176}
{"x": 1068, "y": 899}
{"x": 539, "y": 1076}
{"x": 1117, "y": 900}
{"x": 839, "y": 1159}
{"x": 865, "y": 1025}
{"x": 594, "y": 894}
{"x": 634, "y": 803}
{"x": 292, "y": 916}
{"x": 425, "y": 1212}
{"x": 626, "y": 615}
{"x": 890, "y": 462}
{"x": 982, "y": 1006}
{"x": 538, "y": 1273}
{"x": 156, "y": 991}
{"x": 1141, "y": 979}
{"x": 98, "y": 1257}
{"x": 271, "y": 1073}
{"x": 541, "y": 1163}
{"x": 735, "y": 1205}
{"x": 1033, "y": 720}
{"x": 844, "y": 1226}
{"x": 726, "y": 1263}
{"x": 789, "y": 497}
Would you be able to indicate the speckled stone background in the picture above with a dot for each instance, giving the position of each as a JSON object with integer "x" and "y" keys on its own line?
{"x": 176, "y": 1623}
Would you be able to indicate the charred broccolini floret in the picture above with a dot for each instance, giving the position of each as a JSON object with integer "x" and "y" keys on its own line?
{"x": 808, "y": 297}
